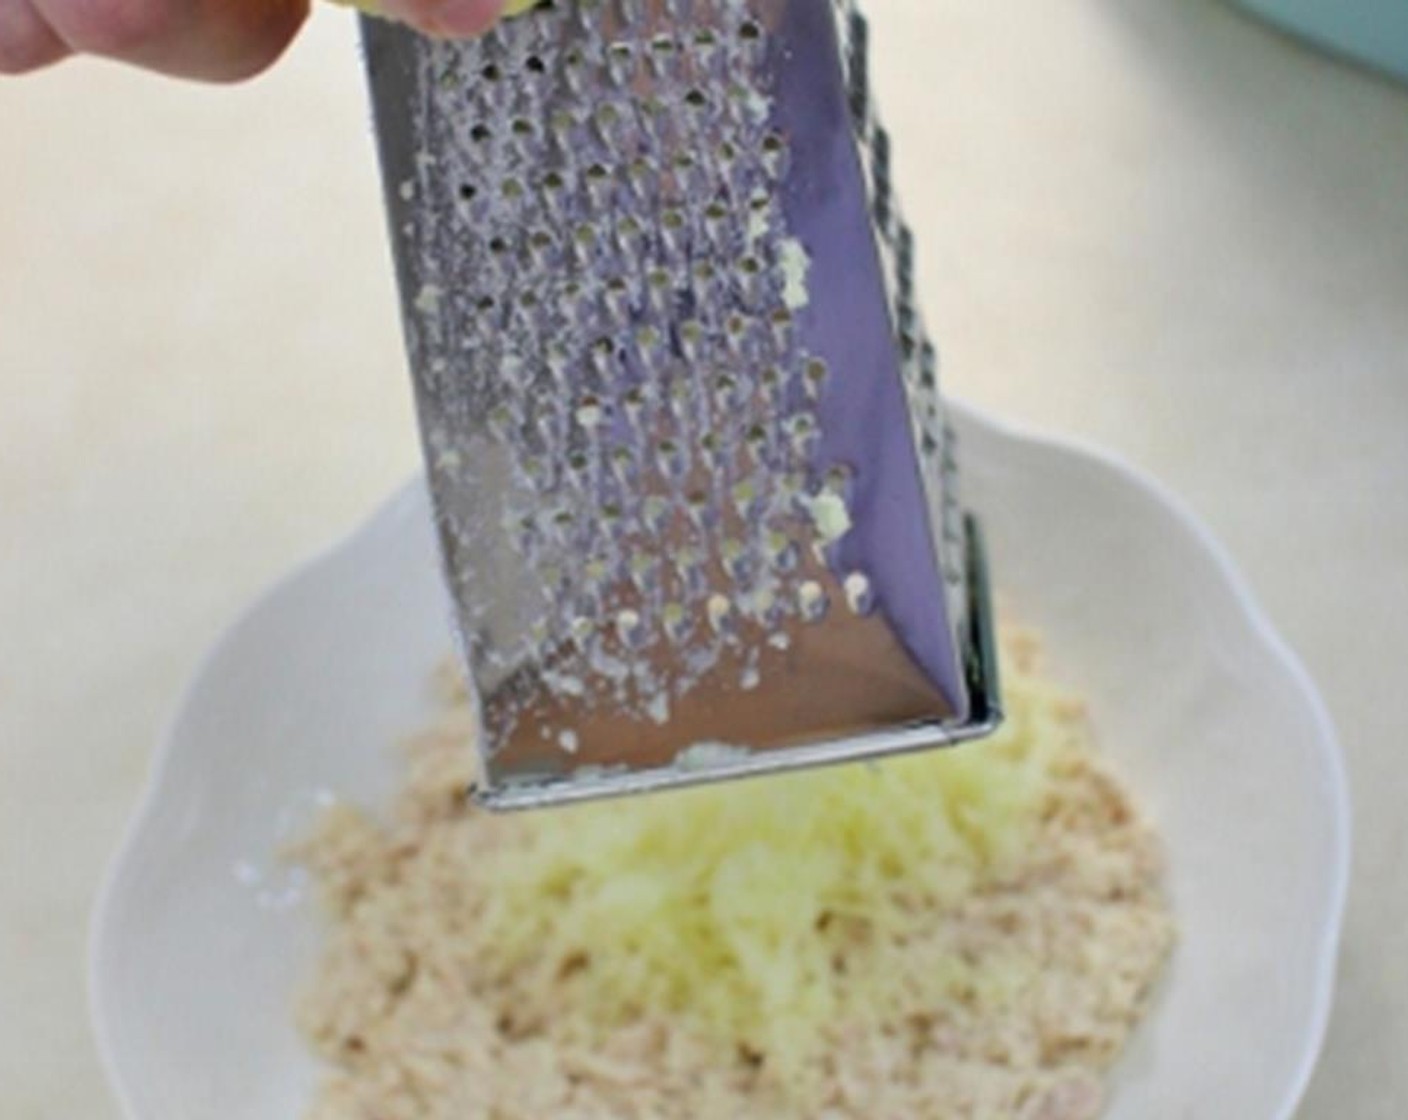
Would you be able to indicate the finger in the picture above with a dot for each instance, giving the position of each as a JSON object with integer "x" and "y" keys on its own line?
{"x": 212, "y": 40}
{"x": 27, "y": 42}
{"x": 449, "y": 19}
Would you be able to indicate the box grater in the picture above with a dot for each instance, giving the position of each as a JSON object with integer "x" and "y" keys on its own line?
{"x": 693, "y": 481}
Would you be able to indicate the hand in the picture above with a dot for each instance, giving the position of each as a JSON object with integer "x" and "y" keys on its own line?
{"x": 212, "y": 40}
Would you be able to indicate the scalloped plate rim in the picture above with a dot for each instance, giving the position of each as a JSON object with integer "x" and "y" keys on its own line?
{"x": 143, "y": 824}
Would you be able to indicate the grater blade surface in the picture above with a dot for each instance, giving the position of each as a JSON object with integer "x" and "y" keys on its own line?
{"x": 694, "y": 486}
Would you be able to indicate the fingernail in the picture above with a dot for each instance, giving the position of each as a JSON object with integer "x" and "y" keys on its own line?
{"x": 460, "y": 19}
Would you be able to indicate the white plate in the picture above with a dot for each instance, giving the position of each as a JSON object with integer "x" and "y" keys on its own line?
{"x": 200, "y": 935}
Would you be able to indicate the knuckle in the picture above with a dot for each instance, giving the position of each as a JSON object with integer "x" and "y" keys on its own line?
{"x": 15, "y": 58}
{"x": 121, "y": 27}
{"x": 26, "y": 44}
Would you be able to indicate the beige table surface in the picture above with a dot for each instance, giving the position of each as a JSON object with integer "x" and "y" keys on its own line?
{"x": 1146, "y": 222}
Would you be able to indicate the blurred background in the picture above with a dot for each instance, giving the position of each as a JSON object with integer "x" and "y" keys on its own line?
{"x": 1159, "y": 226}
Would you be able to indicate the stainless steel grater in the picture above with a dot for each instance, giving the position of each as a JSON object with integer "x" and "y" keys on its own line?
{"x": 694, "y": 485}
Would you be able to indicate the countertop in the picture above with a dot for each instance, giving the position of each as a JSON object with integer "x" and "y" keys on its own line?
{"x": 1157, "y": 226}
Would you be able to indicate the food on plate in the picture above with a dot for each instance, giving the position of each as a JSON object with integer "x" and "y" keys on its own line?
{"x": 967, "y": 933}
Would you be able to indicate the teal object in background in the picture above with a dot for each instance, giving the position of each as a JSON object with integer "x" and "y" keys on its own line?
{"x": 1371, "y": 31}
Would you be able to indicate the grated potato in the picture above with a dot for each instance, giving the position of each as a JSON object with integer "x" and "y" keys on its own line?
{"x": 971, "y": 933}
